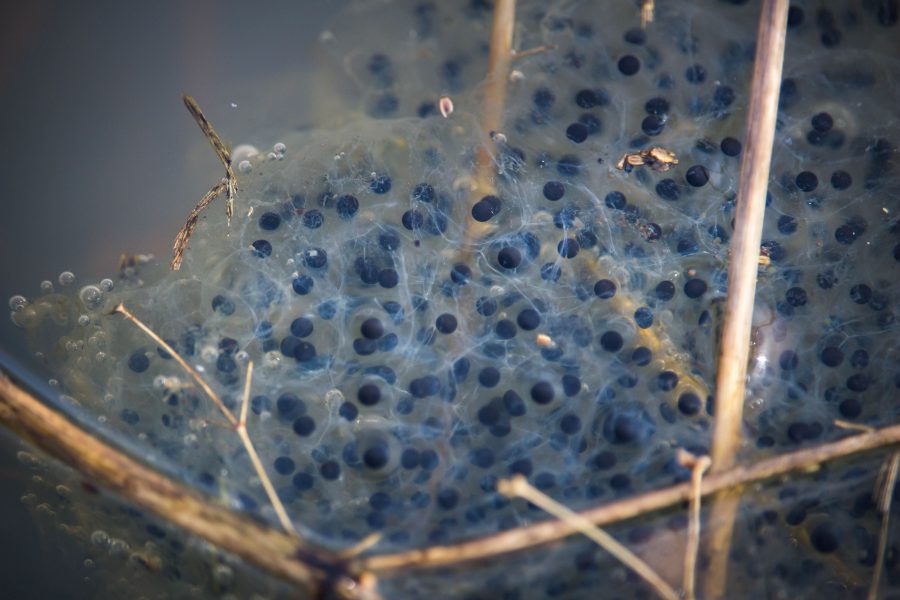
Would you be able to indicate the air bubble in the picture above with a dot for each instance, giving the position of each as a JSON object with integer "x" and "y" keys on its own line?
{"x": 242, "y": 152}
{"x": 118, "y": 547}
{"x": 47, "y": 287}
{"x": 100, "y": 538}
{"x": 107, "y": 285}
{"x": 209, "y": 354}
{"x": 334, "y": 397}
{"x": 245, "y": 167}
{"x": 223, "y": 575}
{"x": 91, "y": 297}
{"x": 17, "y": 303}
{"x": 66, "y": 278}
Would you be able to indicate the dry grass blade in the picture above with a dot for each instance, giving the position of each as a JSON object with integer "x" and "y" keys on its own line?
{"x": 221, "y": 150}
{"x": 241, "y": 429}
{"x": 887, "y": 480}
{"x": 187, "y": 230}
{"x": 120, "y": 309}
{"x": 519, "y": 487}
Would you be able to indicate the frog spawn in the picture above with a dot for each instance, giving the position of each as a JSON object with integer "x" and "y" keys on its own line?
{"x": 574, "y": 343}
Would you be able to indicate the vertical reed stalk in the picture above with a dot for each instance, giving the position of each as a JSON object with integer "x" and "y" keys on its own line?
{"x": 742, "y": 270}
{"x": 499, "y": 60}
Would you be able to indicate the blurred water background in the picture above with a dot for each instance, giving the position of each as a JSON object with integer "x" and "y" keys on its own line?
{"x": 99, "y": 157}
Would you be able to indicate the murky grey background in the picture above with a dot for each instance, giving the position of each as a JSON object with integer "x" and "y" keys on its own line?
{"x": 99, "y": 156}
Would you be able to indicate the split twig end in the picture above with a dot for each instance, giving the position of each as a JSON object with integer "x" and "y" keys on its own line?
{"x": 519, "y": 487}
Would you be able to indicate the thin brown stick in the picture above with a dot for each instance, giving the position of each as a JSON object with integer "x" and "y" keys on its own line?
{"x": 103, "y": 465}
{"x": 517, "y": 54}
{"x": 499, "y": 60}
{"x": 852, "y": 426}
{"x": 524, "y": 538}
{"x": 698, "y": 466}
{"x": 187, "y": 230}
{"x": 742, "y": 271}
{"x": 519, "y": 487}
{"x": 283, "y": 556}
{"x": 241, "y": 429}
{"x": 361, "y": 546}
{"x": 240, "y": 426}
{"x": 751, "y": 203}
{"x": 220, "y": 149}
{"x": 885, "y": 496}
{"x": 120, "y": 309}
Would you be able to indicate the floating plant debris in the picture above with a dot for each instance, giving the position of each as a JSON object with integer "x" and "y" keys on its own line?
{"x": 658, "y": 159}
{"x": 433, "y": 308}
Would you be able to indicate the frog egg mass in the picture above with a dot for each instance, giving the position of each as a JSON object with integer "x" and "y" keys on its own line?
{"x": 431, "y": 309}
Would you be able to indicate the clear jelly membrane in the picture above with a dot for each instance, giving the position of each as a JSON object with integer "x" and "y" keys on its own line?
{"x": 400, "y": 373}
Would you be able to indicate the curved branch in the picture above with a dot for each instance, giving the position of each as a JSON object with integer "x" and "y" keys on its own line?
{"x": 283, "y": 556}
{"x": 530, "y": 536}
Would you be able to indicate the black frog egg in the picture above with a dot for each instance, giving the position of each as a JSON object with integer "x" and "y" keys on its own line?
{"x": 377, "y": 451}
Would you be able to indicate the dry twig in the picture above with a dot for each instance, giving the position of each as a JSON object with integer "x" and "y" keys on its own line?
{"x": 519, "y": 487}
{"x": 106, "y": 466}
{"x": 850, "y": 426}
{"x": 286, "y": 557}
{"x": 524, "y": 538}
{"x": 241, "y": 429}
{"x": 239, "y": 425}
{"x": 221, "y": 150}
{"x": 751, "y": 199}
{"x": 210, "y": 393}
{"x": 227, "y": 185}
{"x": 187, "y": 230}
{"x": 517, "y": 54}
{"x": 697, "y": 466}
{"x": 742, "y": 272}
{"x": 499, "y": 60}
